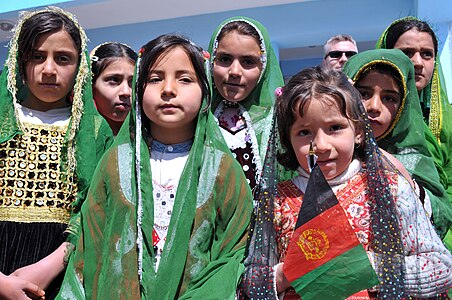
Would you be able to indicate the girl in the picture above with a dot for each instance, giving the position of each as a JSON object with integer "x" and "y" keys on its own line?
{"x": 112, "y": 66}
{"x": 418, "y": 41}
{"x": 321, "y": 108}
{"x": 168, "y": 208}
{"x": 51, "y": 138}
{"x": 386, "y": 81}
{"x": 245, "y": 73}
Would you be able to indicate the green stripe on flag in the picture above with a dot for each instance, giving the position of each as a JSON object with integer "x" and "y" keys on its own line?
{"x": 338, "y": 278}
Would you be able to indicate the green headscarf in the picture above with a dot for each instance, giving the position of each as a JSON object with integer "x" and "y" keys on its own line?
{"x": 88, "y": 135}
{"x": 260, "y": 101}
{"x": 207, "y": 233}
{"x": 439, "y": 121}
{"x": 405, "y": 138}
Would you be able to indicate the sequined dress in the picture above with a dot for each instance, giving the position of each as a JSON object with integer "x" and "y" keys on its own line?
{"x": 35, "y": 193}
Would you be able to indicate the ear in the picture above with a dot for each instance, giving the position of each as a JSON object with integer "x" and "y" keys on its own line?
{"x": 358, "y": 139}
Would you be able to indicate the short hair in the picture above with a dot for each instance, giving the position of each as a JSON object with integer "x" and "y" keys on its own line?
{"x": 103, "y": 55}
{"x": 319, "y": 84}
{"x": 400, "y": 27}
{"x": 153, "y": 50}
{"x": 336, "y": 39}
{"x": 38, "y": 25}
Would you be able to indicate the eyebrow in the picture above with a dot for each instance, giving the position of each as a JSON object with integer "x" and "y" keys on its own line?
{"x": 369, "y": 87}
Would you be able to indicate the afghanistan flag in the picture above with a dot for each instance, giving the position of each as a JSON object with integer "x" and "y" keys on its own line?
{"x": 325, "y": 260}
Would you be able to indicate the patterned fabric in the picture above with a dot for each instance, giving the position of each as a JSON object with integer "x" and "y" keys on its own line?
{"x": 437, "y": 113}
{"x": 428, "y": 263}
{"x": 33, "y": 189}
{"x": 206, "y": 236}
{"x": 406, "y": 136}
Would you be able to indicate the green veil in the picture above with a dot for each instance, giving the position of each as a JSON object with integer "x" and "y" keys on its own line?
{"x": 206, "y": 237}
{"x": 405, "y": 138}
{"x": 439, "y": 121}
{"x": 86, "y": 125}
{"x": 260, "y": 101}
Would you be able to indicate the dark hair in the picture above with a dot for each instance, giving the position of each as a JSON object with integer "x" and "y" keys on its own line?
{"x": 40, "y": 24}
{"x": 163, "y": 44}
{"x": 106, "y": 53}
{"x": 242, "y": 28}
{"x": 314, "y": 84}
{"x": 404, "y": 25}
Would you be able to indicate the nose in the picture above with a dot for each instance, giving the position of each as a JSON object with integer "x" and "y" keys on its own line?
{"x": 235, "y": 69}
{"x": 124, "y": 89}
{"x": 321, "y": 142}
{"x": 49, "y": 67}
{"x": 343, "y": 58}
{"x": 373, "y": 105}
{"x": 417, "y": 60}
{"x": 169, "y": 89}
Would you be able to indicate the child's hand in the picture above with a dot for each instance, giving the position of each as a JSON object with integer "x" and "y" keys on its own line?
{"x": 46, "y": 270}
{"x": 282, "y": 283}
{"x": 13, "y": 287}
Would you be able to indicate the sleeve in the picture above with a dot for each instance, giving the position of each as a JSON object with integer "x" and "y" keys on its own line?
{"x": 232, "y": 212}
{"x": 428, "y": 263}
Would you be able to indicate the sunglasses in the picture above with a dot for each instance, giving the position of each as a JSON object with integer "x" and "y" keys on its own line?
{"x": 338, "y": 54}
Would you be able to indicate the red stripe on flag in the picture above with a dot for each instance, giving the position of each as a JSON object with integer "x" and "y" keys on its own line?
{"x": 319, "y": 240}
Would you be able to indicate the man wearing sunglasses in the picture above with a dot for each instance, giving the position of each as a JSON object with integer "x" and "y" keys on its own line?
{"x": 338, "y": 49}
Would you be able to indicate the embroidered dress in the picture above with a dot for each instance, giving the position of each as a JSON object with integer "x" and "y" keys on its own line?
{"x": 406, "y": 136}
{"x": 427, "y": 262}
{"x": 167, "y": 163}
{"x": 246, "y": 125}
{"x": 201, "y": 257}
{"x": 437, "y": 113}
{"x": 46, "y": 162}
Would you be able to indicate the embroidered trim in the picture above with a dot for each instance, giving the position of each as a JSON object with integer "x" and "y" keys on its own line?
{"x": 173, "y": 148}
{"x": 249, "y": 134}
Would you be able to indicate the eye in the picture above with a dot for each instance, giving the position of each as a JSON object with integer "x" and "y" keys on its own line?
{"x": 408, "y": 52}
{"x": 365, "y": 95}
{"x": 63, "y": 58}
{"x": 391, "y": 99}
{"x": 113, "y": 80}
{"x": 36, "y": 56}
{"x": 304, "y": 132}
{"x": 223, "y": 59}
{"x": 336, "y": 127}
{"x": 249, "y": 62}
{"x": 186, "y": 79}
{"x": 154, "y": 79}
{"x": 427, "y": 54}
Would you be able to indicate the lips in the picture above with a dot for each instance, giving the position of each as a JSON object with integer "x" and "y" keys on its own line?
{"x": 233, "y": 84}
{"x": 49, "y": 85}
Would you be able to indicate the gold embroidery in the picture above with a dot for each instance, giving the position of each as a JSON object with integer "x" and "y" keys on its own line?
{"x": 33, "y": 186}
{"x": 314, "y": 244}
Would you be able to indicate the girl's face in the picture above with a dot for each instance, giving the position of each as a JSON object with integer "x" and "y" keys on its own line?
{"x": 50, "y": 73}
{"x": 381, "y": 97}
{"x": 172, "y": 97}
{"x": 237, "y": 66}
{"x": 418, "y": 46}
{"x": 332, "y": 135}
{"x": 113, "y": 88}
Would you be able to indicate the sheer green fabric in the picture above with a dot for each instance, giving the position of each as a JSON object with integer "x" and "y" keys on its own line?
{"x": 405, "y": 138}
{"x": 439, "y": 120}
{"x": 88, "y": 135}
{"x": 205, "y": 244}
{"x": 260, "y": 101}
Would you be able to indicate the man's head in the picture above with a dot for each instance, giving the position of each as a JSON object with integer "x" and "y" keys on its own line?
{"x": 337, "y": 50}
